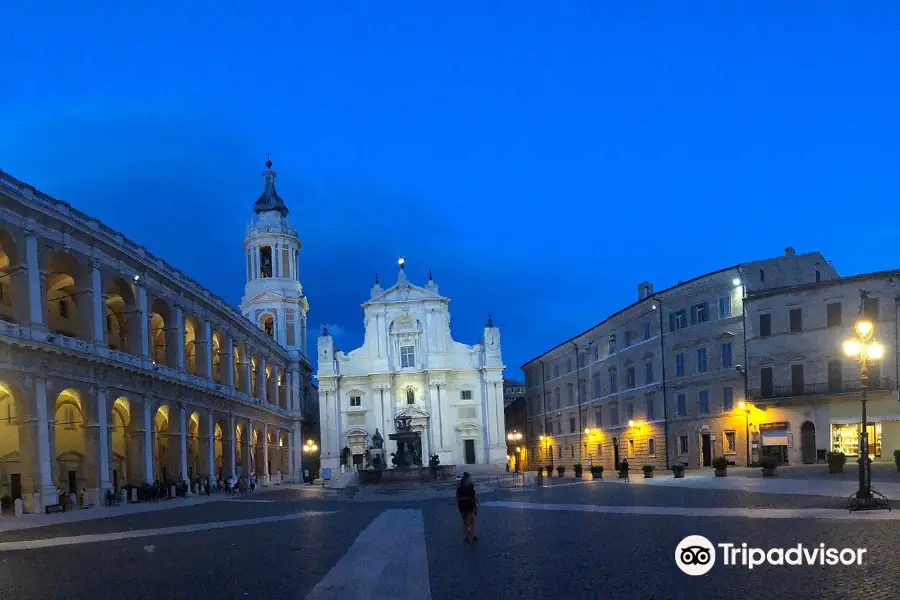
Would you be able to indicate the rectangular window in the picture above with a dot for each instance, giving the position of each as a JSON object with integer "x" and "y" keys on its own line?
{"x": 555, "y": 371}
{"x": 796, "y": 320}
{"x": 598, "y": 419}
{"x": 727, "y": 358}
{"x": 596, "y": 352}
{"x": 612, "y": 381}
{"x": 568, "y": 365}
{"x": 597, "y": 387}
{"x": 630, "y": 411}
{"x": 355, "y": 400}
{"x": 765, "y": 380}
{"x": 465, "y": 394}
{"x": 647, "y": 330}
{"x": 724, "y": 307}
{"x": 581, "y": 359}
{"x": 570, "y": 394}
{"x": 612, "y": 344}
{"x": 835, "y": 375}
{"x": 265, "y": 261}
{"x": 729, "y": 445}
{"x": 650, "y": 415}
{"x": 682, "y": 445}
{"x": 629, "y": 377}
{"x": 681, "y": 405}
{"x": 630, "y": 448}
{"x": 648, "y": 373}
{"x": 834, "y": 314}
{"x": 614, "y": 414}
{"x": 703, "y": 402}
{"x": 627, "y": 338}
{"x": 558, "y": 449}
{"x": 765, "y": 325}
{"x": 727, "y": 399}
{"x": 407, "y": 357}
{"x": 762, "y": 275}
{"x": 677, "y": 320}
{"x": 701, "y": 360}
{"x": 797, "y": 380}
{"x": 870, "y": 308}
{"x": 679, "y": 364}
{"x": 651, "y": 447}
{"x": 599, "y": 450}
{"x": 63, "y": 309}
{"x": 700, "y": 313}
{"x": 582, "y": 392}
{"x": 558, "y": 400}
{"x": 571, "y": 424}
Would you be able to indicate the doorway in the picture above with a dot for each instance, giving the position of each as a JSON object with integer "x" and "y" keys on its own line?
{"x": 808, "y": 443}
{"x": 15, "y": 486}
{"x": 705, "y": 450}
{"x": 616, "y": 453}
{"x": 469, "y": 447}
{"x": 115, "y": 480}
{"x": 73, "y": 482}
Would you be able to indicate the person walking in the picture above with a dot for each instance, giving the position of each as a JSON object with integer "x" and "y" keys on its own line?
{"x": 467, "y": 503}
{"x": 625, "y": 469}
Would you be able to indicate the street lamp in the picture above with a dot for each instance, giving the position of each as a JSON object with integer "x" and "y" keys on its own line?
{"x": 864, "y": 348}
{"x": 746, "y": 408}
{"x": 310, "y": 447}
{"x": 514, "y": 437}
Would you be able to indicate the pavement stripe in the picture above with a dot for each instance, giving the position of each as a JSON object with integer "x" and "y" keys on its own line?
{"x": 140, "y": 533}
{"x": 373, "y": 568}
{"x": 679, "y": 511}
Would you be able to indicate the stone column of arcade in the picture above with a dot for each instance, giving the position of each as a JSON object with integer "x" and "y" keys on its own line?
{"x": 247, "y": 451}
{"x": 264, "y": 470}
{"x": 96, "y": 446}
{"x": 139, "y": 443}
{"x": 34, "y": 433}
{"x": 229, "y": 451}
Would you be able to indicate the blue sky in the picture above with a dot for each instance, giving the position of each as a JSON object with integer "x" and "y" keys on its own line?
{"x": 541, "y": 157}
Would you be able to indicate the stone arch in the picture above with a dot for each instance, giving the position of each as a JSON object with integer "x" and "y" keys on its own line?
{"x": 13, "y": 300}
{"x": 240, "y": 435}
{"x": 194, "y": 454}
{"x": 16, "y": 467}
{"x": 219, "y": 348}
{"x": 162, "y": 351}
{"x": 67, "y": 299}
{"x": 254, "y": 364}
{"x": 238, "y": 358}
{"x": 267, "y": 323}
{"x": 162, "y": 452}
{"x": 218, "y": 449}
{"x": 256, "y": 449}
{"x": 122, "y": 325}
{"x": 192, "y": 331}
{"x": 271, "y": 384}
{"x": 72, "y": 472}
{"x": 122, "y": 459}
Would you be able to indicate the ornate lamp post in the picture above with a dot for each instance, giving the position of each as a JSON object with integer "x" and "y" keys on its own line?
{"x": 310, "y": 448}
{"x": 864, "y": 348}
{"x": 514, "y": 437}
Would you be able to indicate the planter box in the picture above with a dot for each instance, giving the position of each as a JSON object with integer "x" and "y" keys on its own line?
{"x": 722, "y": 473}
{"x": 679, "y": 474}
{"x": 768, "y": 472}
{"x": 835, "y": 469}
{"x": 648, "y": 474}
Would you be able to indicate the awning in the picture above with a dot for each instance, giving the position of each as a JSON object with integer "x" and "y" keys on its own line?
{"x": 777, "y": 437}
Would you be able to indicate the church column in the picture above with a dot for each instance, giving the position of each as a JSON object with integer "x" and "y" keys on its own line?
{"x": 178, "y": 336}
{"x": 261, "y": 379}
{"x": 226, "y": 364}
{"x": 35, "y": 297}
{"x": 143, "y": 318}
{"x": 98, "y": 306}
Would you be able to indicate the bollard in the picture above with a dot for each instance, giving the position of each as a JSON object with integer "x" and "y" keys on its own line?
{"x": 19, "y": 508}
{"x": 134, "y": 494}
{"x": 124, "y": 496}
{"x": 73, "y": 501}
{"x": 172, "y": 493}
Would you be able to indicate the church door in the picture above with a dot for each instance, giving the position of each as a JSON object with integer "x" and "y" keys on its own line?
{"x": 469, "y": 446}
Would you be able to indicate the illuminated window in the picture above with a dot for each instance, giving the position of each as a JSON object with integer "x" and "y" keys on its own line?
{"x": 630, "y": 448}
{"x": 729, "y": 443}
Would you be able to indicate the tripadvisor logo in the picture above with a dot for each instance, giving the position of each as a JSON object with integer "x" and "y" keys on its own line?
{"x": 696, "y": 555}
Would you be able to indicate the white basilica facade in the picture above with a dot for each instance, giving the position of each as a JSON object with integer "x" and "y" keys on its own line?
{"x": 410, "y": 366}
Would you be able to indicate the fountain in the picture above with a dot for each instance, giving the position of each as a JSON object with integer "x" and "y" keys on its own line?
{"x": 406, "y": 461}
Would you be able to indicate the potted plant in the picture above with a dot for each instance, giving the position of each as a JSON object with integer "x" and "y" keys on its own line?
{"x": 720, "y": 464}
{"x": 577, "y": 468}
{"x": 836, "y": 461}
{"x": 648, "y": 471}
{"x": 597, "y": 471}
{"x": 678, "y": 470}
{"x": 768, "y": 465}
{"x": 561, "y": 470}
{"x": 897, "y": 459}
{"x": 549, "y": 470}
{"x": 623, "y": 470}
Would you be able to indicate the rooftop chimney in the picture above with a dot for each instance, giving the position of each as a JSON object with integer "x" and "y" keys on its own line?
{"x": 789, "y": 251}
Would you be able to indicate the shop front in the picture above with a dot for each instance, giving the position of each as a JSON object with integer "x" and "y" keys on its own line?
{"x": 845, "y": 438}
{"x": 775, "y": 439}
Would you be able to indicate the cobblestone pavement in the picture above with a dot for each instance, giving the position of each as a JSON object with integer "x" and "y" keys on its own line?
{"x": 372, "y": 549}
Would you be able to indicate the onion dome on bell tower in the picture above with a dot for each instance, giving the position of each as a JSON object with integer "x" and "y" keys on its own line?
{"x": 269, "y": 200}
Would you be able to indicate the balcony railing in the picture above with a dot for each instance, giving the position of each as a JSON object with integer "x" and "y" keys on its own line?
{"x": 821, "y": 389}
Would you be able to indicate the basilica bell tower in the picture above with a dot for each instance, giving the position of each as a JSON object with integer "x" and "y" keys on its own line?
{"x": 273, "y": 297}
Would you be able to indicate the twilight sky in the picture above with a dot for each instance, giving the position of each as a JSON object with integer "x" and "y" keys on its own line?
{"x": 541, "y": 157}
